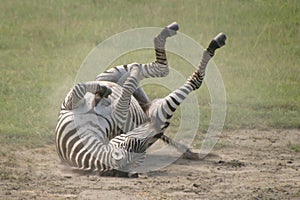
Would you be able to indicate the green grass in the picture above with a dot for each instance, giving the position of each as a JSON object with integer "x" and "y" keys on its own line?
{"x": 42, "y": 44}
{"x": 294, "y": 147}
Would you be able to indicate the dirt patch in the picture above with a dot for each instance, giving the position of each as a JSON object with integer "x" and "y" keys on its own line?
{"x": 247, "y": 164}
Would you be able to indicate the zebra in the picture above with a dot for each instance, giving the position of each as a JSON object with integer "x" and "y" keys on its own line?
{"x": 107, "y": 125}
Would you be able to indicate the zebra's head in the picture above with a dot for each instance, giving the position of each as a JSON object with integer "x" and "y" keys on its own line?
{"x": 131, "y": 147}
{"x": 126, "y": 161}
{"x": 139, "y": 139}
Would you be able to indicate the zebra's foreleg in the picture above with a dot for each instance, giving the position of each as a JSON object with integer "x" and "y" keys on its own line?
{"x": 160, "y": 68}
{"x": 116, "y": 74}
{"x": 122, "y": 104}
{"x": 160, "y": 41}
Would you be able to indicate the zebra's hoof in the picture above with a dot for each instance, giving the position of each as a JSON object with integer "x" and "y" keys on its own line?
{"x": 216, "y": 43}
{"x": 220, "y": 39}
{"x": 133, "y": 175}
{"x": 169, "y": 31}
{"x": 173, "y": 26}
{"x": 190, "y": 155}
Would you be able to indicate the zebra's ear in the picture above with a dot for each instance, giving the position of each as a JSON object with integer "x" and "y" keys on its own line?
{"x": 117, "y": 155}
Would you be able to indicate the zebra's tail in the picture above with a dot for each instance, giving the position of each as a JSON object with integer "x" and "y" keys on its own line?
{"x": 182, "y": 148}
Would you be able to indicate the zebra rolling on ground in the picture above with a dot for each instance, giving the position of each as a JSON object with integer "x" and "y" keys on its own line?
{"x": 108, "y": 124}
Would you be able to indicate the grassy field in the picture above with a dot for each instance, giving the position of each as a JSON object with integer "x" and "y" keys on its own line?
{"x": 43, "y": 43}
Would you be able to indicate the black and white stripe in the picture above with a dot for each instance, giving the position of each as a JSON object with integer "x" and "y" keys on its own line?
{"x": 115, "y": 131}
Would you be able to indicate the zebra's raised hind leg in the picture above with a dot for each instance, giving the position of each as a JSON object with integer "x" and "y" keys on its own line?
{"x": 162, "y": 110}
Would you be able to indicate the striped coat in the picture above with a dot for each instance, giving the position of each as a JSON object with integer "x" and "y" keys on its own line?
{"x": 108, "y": 124}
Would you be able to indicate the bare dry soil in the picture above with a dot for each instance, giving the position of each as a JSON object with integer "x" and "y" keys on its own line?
{"x": 247, "y": 164}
